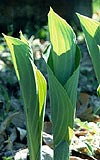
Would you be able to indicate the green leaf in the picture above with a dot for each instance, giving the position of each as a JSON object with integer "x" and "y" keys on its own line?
{"x": 33, "y": 87}
{"x": 61, "y": 34}
{"x": 91, "y": 29}
{"x": 61, "y": 110}
{"x": 63, "y": 43}
{"x": 63, "y": 73}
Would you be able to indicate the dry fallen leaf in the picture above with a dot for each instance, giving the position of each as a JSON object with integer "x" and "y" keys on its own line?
{"x": 76, "y": 158}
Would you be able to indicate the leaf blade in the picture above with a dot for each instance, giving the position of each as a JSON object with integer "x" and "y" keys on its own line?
{"x": 63, "y": 46}
{"x": 30, "y": 80}
{"x": 91, "y": 30}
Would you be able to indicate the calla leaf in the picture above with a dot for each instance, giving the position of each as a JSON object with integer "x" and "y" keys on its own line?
{"x": 62, "y": 114}
{"x": 61, "y": 109}
{"x": 59, "y": 34}
{"x": 91, "y": 29}
{"x": 33, "y": 87}
{"x": 63, "y": 44}
{"x": 63, "y": 73}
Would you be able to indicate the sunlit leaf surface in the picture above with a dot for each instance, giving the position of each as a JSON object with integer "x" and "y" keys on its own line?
{"x": 33, "y": 87}
{"x": 63, "y": 72}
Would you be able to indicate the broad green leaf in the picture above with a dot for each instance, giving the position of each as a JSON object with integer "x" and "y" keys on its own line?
{"x": 61, "y": 109}
{"x": 89, "y": 24}
{"x": 61, "y": 34}
{"x": 91, "y": 30}
{"x": 33, "y": 87}
{"x": 63, "y": 40}
{"x": 62, "y": 117}
{"x": 63, "y": 73}
{"x": 71, "y": 90}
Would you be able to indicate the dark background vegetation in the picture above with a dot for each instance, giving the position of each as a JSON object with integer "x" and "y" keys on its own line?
{"x": 29, "y": 15}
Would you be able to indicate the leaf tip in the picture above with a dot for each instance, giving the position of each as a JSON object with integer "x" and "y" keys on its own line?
{"x": 4, "y": 35}
{"x": 78, "y": 15}
{"x": 20, "y": 32}
{"x": 51, "y": 11}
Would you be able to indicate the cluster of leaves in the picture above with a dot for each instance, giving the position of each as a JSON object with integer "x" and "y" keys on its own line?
{"x": 63, "y": 72}
{"x": 62, "y": 86}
